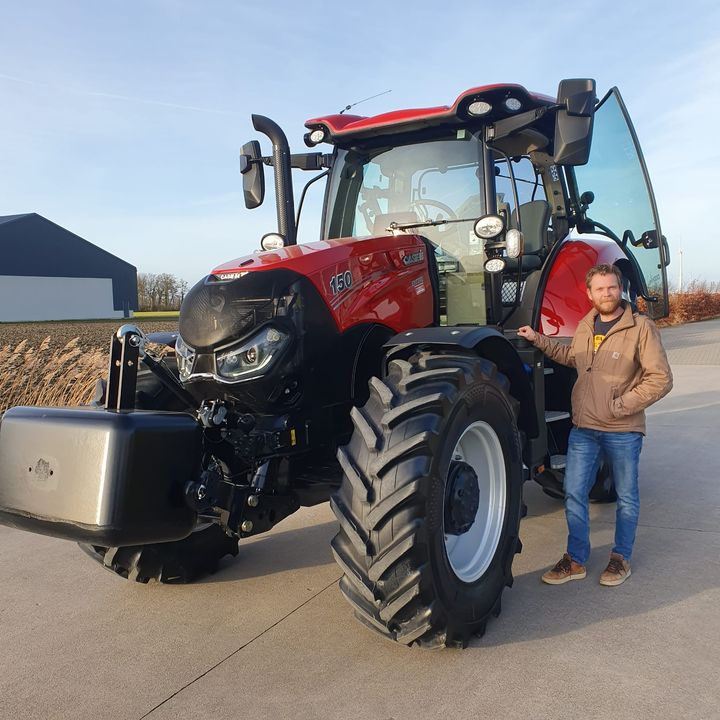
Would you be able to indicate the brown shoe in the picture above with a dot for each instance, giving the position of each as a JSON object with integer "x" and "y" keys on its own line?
{"x": 616, "y": 572}
{"x": 564, "y": 571}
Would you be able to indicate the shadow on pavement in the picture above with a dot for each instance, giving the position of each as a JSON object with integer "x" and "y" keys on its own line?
{"x": 661, "y": 578}
{"x": 278, "y": 552}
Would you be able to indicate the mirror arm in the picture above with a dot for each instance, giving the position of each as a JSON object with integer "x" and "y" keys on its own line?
{"x": 503, "y": 128}
{"x": 301, "y": 161}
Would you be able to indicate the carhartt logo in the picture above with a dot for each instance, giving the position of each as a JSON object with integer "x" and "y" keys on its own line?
{"x": 616, "y": 355}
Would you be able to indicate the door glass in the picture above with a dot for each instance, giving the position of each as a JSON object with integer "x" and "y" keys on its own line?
{"x": 623, "y": 199}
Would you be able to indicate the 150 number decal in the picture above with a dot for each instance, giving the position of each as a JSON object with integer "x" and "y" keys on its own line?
{"x": 341, "y": 281}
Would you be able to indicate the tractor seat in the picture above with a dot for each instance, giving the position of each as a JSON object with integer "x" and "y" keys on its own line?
{"x": 535, "y": 218}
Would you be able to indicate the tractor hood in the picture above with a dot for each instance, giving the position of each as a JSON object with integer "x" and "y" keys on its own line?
{"x": 313, "y": 257}
{"x": 288, "y": 311}
{"x": 357, "y": 281}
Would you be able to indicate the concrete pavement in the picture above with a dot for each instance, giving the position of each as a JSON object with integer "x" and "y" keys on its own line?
{"x": 269, "y": 635}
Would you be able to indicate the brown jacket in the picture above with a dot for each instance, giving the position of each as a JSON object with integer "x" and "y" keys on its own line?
{"x": 629, "y": 372}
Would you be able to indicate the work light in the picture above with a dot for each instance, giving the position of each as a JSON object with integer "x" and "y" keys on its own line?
{"x": 489, "y": 226}
{"x": 479, "y": 108}
{"x": 494, "y": 265}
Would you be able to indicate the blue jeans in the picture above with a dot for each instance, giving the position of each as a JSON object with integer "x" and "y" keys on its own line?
{"x": 622, "y": 452}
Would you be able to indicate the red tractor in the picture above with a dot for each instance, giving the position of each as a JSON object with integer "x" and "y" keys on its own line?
{"x": 378, "y": 368}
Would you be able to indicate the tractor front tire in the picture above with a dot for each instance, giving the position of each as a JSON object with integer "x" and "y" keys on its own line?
{"x": 431, "y": 500}
{"x": 179, "y": 561}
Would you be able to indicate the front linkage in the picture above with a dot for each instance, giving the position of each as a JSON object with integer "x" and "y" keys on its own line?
{"x": 238, "y": 485}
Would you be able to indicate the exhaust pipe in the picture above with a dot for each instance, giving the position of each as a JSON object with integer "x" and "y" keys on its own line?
{"x": 283, "y": 177}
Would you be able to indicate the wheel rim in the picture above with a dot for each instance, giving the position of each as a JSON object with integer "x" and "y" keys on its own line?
{"x": 471, "y": 553}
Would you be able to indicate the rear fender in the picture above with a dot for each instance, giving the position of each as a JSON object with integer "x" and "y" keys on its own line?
{"x": 487, "y": 343}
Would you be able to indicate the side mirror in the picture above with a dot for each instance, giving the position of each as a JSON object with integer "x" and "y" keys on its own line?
{"x": 574, "y": 121}
{"x": 253, "y": 174}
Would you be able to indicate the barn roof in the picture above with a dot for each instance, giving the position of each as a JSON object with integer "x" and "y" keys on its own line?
{"x": 44, "y": 223}
{"x": 10, "y": 218}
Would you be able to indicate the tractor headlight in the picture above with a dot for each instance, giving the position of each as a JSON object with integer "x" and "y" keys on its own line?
{"x": 185, "y": 358}
{"x": 489, "y": 226}
{"x": 272, "y": 241}
{"x": 253, "y": 356}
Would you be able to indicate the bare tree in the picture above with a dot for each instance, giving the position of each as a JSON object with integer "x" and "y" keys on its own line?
{"x": 159, "y": 292}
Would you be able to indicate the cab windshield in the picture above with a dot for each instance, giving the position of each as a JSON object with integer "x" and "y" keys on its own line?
{"x": 437, "y": 180}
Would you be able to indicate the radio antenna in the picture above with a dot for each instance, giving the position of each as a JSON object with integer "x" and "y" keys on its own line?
{"x": 347, "y": 107}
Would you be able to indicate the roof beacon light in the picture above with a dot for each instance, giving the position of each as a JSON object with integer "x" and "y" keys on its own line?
{"x": 489, "y": 226}
{"x": 479, "y": 108}
{"x": 514, "y": 243}
{"x": 512, "y": 104}
{"x": 494, "y": 265}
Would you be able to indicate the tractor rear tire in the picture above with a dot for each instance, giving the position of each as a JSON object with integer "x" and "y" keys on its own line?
{"x": 179, "y": 561}
{"x": 431, "y": 500}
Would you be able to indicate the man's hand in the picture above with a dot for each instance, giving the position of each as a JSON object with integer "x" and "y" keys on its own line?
{"x": 527, "y": 332}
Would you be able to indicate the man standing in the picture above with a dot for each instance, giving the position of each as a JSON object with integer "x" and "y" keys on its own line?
{"x": 622, "y": 369}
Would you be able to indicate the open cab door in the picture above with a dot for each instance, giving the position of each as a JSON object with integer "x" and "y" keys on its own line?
{"x": 615, "y": 198}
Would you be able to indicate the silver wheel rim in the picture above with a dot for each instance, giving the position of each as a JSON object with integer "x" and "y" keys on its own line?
{"x": 471, "y": 553}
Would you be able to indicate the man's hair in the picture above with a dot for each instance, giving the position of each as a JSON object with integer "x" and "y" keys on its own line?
{"x": 603, "y": 269}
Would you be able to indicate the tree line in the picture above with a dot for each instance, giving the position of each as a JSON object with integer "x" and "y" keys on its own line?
{"x": 160, "y": 292}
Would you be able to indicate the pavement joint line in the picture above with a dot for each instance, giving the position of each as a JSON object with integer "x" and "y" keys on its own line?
{"x": 643, "y": 525}
{"x": 242, "y": 647}
{"x": 664, "y": 527}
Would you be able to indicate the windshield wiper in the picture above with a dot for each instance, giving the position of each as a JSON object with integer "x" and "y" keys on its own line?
{"x": 400, "y": 227}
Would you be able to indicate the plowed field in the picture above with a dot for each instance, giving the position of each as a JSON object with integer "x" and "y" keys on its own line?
{"x": 92, "y": 335}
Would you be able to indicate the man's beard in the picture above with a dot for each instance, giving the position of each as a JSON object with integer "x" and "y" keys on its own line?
{"x": 607, "y": 307}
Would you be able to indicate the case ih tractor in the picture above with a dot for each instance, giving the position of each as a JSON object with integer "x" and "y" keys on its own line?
{"x": 378, "y": 368}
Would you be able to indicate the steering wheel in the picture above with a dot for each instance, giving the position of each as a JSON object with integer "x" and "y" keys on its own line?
{"x": 425, "y": 203}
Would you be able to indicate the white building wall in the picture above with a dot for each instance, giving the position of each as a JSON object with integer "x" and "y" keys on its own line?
{"x": 55, "y": 298}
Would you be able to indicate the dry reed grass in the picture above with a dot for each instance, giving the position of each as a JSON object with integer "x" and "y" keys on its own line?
{"x": 47, "y": 376}
{"x": 699, "y": 301}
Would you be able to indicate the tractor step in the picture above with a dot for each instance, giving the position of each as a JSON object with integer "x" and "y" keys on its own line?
{"x": 555, "y": 415}
{"x": 558, "y": 462}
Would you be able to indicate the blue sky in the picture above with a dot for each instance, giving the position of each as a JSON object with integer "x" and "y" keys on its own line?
{"x": 122, "y": 121}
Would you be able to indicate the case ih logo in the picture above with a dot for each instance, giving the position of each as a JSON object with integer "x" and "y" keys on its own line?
{"x": 224, "y": 277}
{"x": 413, "y": 258}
